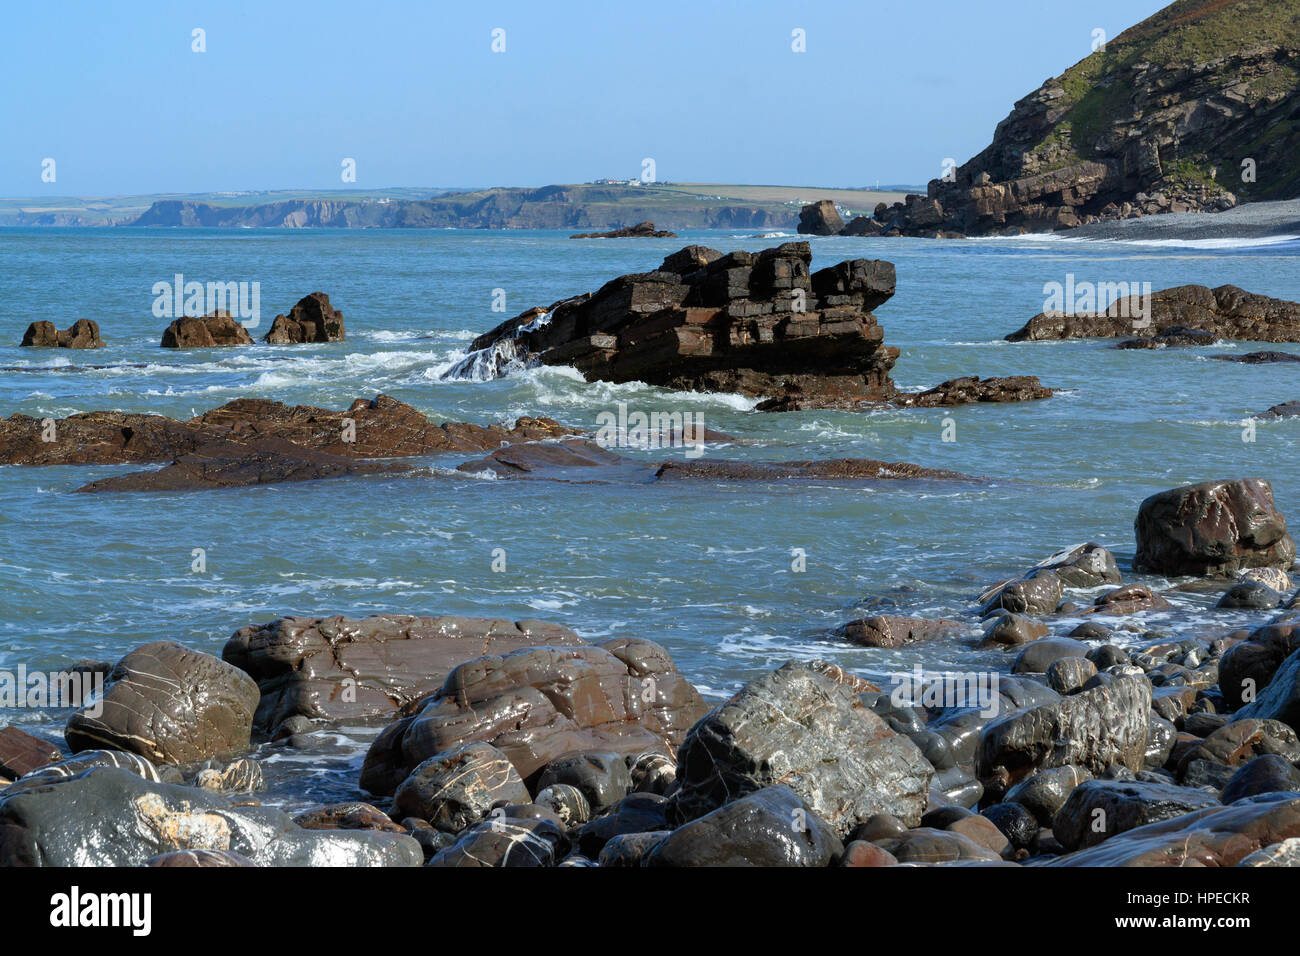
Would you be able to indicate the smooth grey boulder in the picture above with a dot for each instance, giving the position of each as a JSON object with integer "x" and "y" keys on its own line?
{"x": 798, "y": 727}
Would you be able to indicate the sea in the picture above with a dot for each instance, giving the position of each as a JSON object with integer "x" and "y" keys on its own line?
{"x": 733, "y": 578}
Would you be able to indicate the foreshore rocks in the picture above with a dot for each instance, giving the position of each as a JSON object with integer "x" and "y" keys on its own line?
{"x": 217, "y": 329}
{"x": 312, "y": 319}
{"x": 642, "y": 230}
{"x": 760, "y": 324}
{"x": 171, "y": 705}
{"x": 539, "y": 703}
{"x": 796, "y": 726}
{"x": 340, "y": 668}
{"x": 1199, "y": 314}
{"x": 884, "y": 630}
{"x": 82, "y": 334}
{"x": 1212, "y": 528}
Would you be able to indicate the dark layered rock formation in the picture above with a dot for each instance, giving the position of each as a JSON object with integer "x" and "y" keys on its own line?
{"x": 382, "y": 427}
{"x": 539, "y": 703}
{"x": 1161, "y": 119}
{"x": 171, "y": 705}
{"x": 1213, "y": 528}
{"x": 338, "y": 668}
{"x": 312, "y": 319}
{"x": 217, "y": 329}
{"x": 642, "y": 230}
{"x": 82, "y": 334}
{"x": 761, "y": 324}
{"x": 1198, "y": 314}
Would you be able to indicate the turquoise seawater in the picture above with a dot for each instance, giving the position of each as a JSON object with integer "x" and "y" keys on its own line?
{"x": 704, "y": 569}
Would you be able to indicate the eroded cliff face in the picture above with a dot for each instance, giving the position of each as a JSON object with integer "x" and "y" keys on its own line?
{"x": 1191, "y": 110}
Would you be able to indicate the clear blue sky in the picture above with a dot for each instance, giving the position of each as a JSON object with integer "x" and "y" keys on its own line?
{"x": 413, "y": 92}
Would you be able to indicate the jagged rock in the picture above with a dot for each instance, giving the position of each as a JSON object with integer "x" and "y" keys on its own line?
{"x": 82, "y": 334}
{"x": 795, "y": 726}
{"x": 1099, "y": 809}
{"x": 340, "y": 668}
{"x": 312, "y": 319}
{"x": 1215, "y": 836}
{"x": 382, "y": 427}
{"x": 1092, "y": 729}
{"x": 973, "y": 390}
{"x": 773, "y": 826}
{"x": 171, "y": 705}
{"x": 1212, "y": 528}
{"x": 882, "y": 630}
{"x": 216, "y": 329}
{"x": 456, "y": 789}
{"x": 820, "y": 218}
{"x": 537, "y": 704}
{"x": 1190, "y": 314}
{"x": 642, "y": 230}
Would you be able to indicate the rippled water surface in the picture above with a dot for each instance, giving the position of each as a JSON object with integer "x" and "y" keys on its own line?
{"x": 704, "y": 569}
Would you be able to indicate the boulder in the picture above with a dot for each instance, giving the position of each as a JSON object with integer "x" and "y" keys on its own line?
{"x": 768, "y": 827}
{"x": 1037, "y": 656}
{"x": 883, "y": 630}
{"x": 1091, "y": 729}
{"x": 22, "y": 753}
{"x": 1099, "y": 809}
{"x": 340, "y": 848}
{"x": 216, "y": 329}
{"x": 1012, "y": 630}
{"x": 537, "y": 704}
{"x": 602, "y": 778}
{"x": 1215, "y": 836}
{"x": 170, "y": 704}
{"x": 1269, "y": 773}
{"x": 642, "y": 230}
{"x": 1213, "y": 528}
{"x": 347, "y": 816}
{"x": 635, "y": 813}
{"x": 1280, "y": 700}
{"x": 340, "y": 668}
{"x": 1247, "y": 667}
{"x": 456, "y": 789}
{"x": 312, "y": 319}
{"x": 1045, "y": 793}
{"x": 1039, "y": 594}
{"x": 1240, "y": 742}
{"x": 797, "y": 727}
{"x": 820, "y": 218}
{"x": 503, "y": 841}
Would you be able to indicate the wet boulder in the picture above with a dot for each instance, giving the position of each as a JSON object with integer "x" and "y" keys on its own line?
{"x": 22, "y": 753}
{"x": 1012, "y": 630}
{"x": 1268, "y": 773}
{"x": 540, "y": 703}
{"x": 1249, "y": 595}
{"x": 504, "y": 841}
{"x": 1038, "y": 594}
{"x": 1099, "y": 809}
{"x": 768, "y": 827}
{"x": 203, "y": 858}
{"x": 1214, "y": 836}
{"x": 885, "y": 630}
{"x": 170, "y": 704}
{"x": 340, "y": 848}
{"x": 1280, "y": 700}
{"x": 347, "y": 816}
{"x": 340, "y": 668}
{"x": 1247, "y": 667}
{"x": 636, "y": 813}
{"x": 1044, "y": 793}
{"x": 603, "y": 778}
{"x": 1212, "y": 528}
{"x": 797, "y": 727}
{"x": 456, "y": 789}
{"x": 1041, "y": 654}
{"x": 1238, "y": 743}
{"x": 1083, "y": 566}
{"x": 1090, "y": 729}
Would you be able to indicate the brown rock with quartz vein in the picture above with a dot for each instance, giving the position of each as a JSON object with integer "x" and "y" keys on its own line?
{"x": 169, "y": 704}
{"x": 338, "y": 668}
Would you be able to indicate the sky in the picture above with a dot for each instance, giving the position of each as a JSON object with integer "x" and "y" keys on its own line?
{"x": 415, "y": 95}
